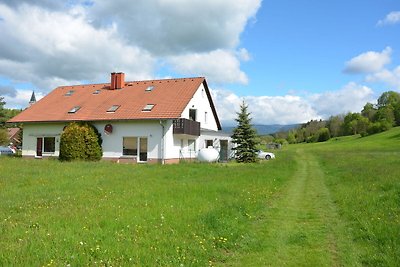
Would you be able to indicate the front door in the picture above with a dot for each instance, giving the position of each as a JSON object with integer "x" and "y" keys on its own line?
{"x": 143, "y": 149}
{"x": 39, "y": 146}
{"x": 224, "y": 150}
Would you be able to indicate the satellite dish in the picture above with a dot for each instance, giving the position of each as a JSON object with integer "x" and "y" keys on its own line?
{"x": 108, "y": 129}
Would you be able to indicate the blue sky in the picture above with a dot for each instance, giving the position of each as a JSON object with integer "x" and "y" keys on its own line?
{"x": 291, "y": 61}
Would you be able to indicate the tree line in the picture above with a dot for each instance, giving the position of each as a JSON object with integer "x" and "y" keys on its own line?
{"x": 5, "y": 115}
{"x": 373, "y": 118}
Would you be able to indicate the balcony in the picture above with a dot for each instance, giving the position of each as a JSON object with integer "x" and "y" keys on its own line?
{"x": 185, "y": 126}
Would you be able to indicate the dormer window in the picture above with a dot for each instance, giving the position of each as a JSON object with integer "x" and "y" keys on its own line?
{"x": 74, "y": 109}
{"x": 148, "y": 107}
{"x": 150, "y": 88}
{"x": 69, "y": 93}
{"x": 113, "y": 108}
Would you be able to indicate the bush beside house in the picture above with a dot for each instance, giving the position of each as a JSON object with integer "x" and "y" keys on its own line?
{"x": 80, "y": 141}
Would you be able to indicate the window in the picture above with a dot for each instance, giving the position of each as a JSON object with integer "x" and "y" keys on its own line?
{"x": 74, "y": 109}
{"x": 113, "y": 108}
{"x": 148, "y": 107}
{"x": 150, "y": 88}
{"x": 96, "y": 92}
{"x": 69, "y": 93}
{"x": 192, "y": 145}
{"x": 49, "y": 144}
{"x": 209, "y": 143}
{"x": 192, "y": 114}
{"x": 129, "y": 145}
{"x": 205, "y": 117}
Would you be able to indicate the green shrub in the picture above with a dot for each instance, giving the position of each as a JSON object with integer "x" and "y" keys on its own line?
{"x": 323, "y": 135}
{"x": 80, "y": 141}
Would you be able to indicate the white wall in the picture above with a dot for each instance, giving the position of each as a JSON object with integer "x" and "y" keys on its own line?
{"x": 32, "y": 131}
{"x": 201, "y": 104}
{"x": 112, "y": 144}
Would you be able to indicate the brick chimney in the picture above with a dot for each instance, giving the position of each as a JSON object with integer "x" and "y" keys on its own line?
{"x": 117, "y": 80}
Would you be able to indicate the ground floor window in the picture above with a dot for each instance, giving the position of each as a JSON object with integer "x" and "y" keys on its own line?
{"x": 192, "y": 145}
{"x": 45, "y": 145}
{"x": 129, "y": 145}
{"x": 49, "y": 144}
{"x": 209, "y": 143}
{"x": 135, "y": 146}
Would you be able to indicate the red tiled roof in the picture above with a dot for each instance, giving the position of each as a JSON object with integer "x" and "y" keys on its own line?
{"x": 169, "y": 96}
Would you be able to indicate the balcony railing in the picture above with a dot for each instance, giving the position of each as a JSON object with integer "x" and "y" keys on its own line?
{"x": 185, "y": 126}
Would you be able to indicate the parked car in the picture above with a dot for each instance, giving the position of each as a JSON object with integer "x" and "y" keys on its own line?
{"x": 265, "y": 155}
{"x": 5, "y": 150}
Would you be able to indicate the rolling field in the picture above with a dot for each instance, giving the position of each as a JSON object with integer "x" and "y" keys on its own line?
{"x": 328, "y": 204}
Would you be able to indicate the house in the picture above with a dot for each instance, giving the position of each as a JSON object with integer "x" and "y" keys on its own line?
{"x": 14, "y": 136}
{"x": 140, "y": 121}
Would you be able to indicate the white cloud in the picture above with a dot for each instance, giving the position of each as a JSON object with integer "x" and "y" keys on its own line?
{"x": 369, "y": 62}
{"x": 264, "y": 109}
{"x": 48, "y": 44}
{"x": 290, "y": 109}
{"x": 391, "y": 78}
{"x": 351, "y": 98}
{"x": 46, "y": 47}
{"x": 219, "y": 66}
{"x": 391, "y": 18}
{"x": 21, "y": 99}
{"x": 172, "y": 27}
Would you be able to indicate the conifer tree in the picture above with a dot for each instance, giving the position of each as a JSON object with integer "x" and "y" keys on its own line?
{"x": 245, "y": 137}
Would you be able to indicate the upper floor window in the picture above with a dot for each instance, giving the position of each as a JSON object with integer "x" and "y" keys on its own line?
{"x": 74, "y": 109}
{"x": 148, "y": 107}
{"x": 113, "y": 108}
{"x": 150, "y": 88}
{"x": 192, "y": 114}
{"x": 69, "y": 93}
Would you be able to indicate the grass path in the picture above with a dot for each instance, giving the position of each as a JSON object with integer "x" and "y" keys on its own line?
{"x": 302, "y": 226}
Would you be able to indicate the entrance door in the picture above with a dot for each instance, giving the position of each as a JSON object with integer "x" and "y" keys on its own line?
{"x": 224, "y": 150}
{"x": 143, "y": 149}
{"x": 39, "y": 146}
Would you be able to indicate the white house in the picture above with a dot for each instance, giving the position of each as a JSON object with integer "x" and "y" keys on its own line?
{"x": 140, "y": 121}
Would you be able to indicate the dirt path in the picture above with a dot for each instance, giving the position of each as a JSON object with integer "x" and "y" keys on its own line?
{"x": 302, "y": 227}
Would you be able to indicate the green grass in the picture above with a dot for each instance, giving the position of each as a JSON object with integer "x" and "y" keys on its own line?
{"x": 114, "y": 214}
{"x": 329, "y": 204}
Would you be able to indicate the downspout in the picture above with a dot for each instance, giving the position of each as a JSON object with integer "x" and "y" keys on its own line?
{"x": 162, "y": 141}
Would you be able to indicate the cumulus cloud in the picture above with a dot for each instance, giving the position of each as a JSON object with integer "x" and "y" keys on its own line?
{"x": 290, "y": 109}
{"x": 351, "y": 98}
{"x": 50, "y": 43}
{"x": 369, "y": 62}
{"x": 21, "y": 99}
{"x": 391, "y": 78}
{"x": 219, "y": 66}
{"x": 46, "y": 47}
{"x": 391, "y": 18}
{"x": 286, "y": 109}
{"x": 171, "y": 27}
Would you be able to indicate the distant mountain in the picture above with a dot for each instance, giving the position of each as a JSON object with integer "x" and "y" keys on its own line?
{"x": 265, "y": 129}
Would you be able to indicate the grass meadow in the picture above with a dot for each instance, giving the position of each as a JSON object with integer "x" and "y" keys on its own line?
{"x": 106, "y": 214}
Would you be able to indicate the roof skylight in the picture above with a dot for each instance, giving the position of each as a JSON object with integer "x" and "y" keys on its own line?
{"x": 150, "y": 88}
{"x": 113, "y": 108}
{"x": 148, "y": 107}
{"x": 96, "y": 92}
{"x": 69, "y": 93}
{"x": 74, "y": 109}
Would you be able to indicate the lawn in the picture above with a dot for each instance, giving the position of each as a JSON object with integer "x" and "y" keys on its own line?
{"x": 329, "y": 204}
{"x": 81, "y": 213}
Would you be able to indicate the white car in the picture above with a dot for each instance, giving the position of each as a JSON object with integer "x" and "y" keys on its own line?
{"x": 265, "y": 155}
{"x": 5, "y": 150}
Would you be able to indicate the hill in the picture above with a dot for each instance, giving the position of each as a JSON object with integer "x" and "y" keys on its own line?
{"x": 265, "y": 129}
